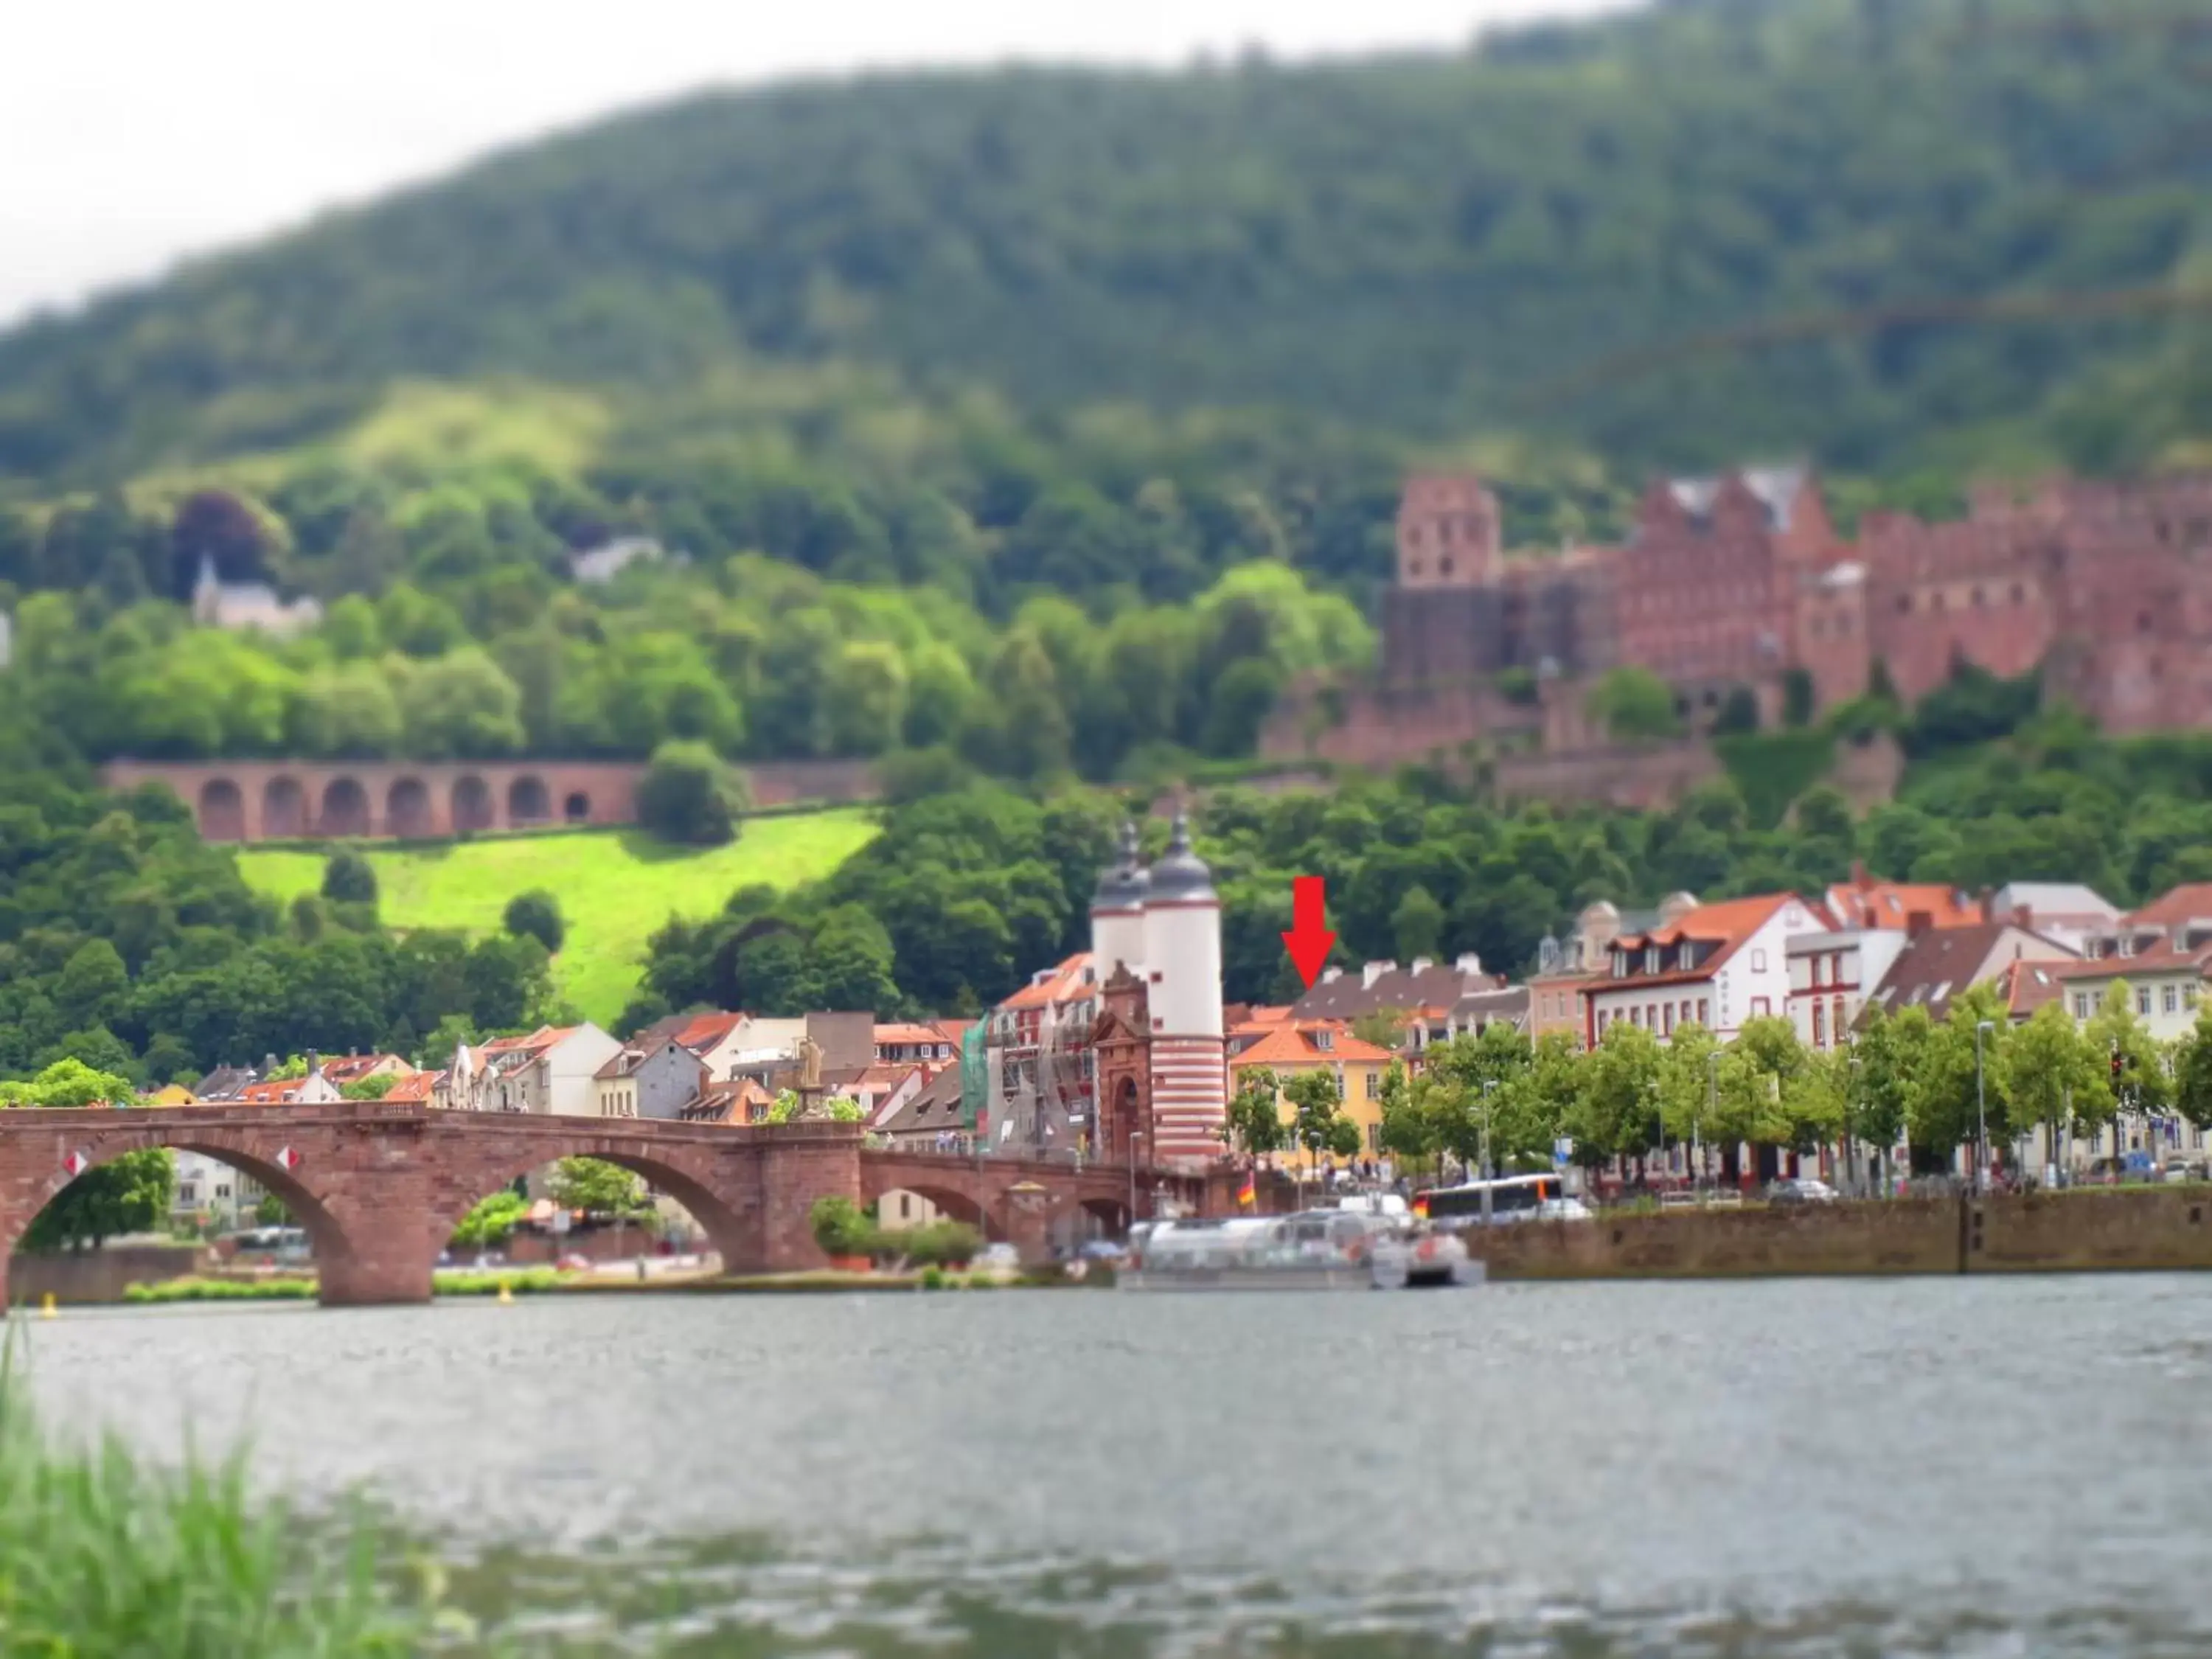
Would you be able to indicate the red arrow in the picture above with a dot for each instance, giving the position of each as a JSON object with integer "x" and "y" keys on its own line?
{"x": 1309, "y": 938}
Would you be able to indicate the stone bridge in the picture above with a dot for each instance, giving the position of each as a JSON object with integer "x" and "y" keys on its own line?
{"x": 379, "y": 1187}
{"x": 426, "y": 800}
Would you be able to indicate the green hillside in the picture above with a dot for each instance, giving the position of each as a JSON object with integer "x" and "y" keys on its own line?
{"x": 614, "y": 890}
{"x": 1567, "y": 233}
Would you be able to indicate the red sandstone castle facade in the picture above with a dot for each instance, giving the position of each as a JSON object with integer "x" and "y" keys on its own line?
{"x": 1744, "y": 580}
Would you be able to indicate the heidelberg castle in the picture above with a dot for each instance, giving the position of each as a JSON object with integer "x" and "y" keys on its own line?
{"x": 1744, "y": 581}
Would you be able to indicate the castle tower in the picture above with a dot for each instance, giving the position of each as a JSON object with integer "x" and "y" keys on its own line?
{"x": 1117, "y": 911}
{"x": 1451, "y": 533}
{"x": 1183, "y": 956}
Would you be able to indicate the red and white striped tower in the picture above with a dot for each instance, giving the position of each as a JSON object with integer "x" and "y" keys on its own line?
{"x": 1182, "y": 966}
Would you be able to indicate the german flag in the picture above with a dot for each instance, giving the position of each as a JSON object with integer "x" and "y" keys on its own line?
{"x": 1421, "y": 1206}
{"x": 1248, "y": 1194}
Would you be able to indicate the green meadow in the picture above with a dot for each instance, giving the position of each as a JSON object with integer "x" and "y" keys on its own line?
{"x": 615, "y": 887}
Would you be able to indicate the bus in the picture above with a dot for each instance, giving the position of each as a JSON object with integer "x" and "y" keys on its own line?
{"x": 1512, "y": 1198}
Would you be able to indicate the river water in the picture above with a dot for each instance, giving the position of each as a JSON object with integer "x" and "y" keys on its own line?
{"x": 1935, "y": 1465}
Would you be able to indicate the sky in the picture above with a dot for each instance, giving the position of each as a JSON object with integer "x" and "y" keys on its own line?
{"x": 133, "y": 133}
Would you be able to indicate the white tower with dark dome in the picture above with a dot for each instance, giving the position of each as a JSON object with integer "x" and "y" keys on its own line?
{"x": 1117, "y": 912}
{"x": 1181, "y": 963}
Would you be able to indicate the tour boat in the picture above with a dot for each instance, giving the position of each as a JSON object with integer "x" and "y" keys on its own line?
{"x": 1312, "y": 1250}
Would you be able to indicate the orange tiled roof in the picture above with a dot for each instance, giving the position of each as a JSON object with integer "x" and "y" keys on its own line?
{"x": 280, "y": 1093}
{"x": 1864, "y": 901}
{"x": 2190, "y": 902}
{"x": 1730, "y": 923}
{"x": 1060, "y": 984}
{"x": 544, "y": 1037}
{"x": 414, "y": 1087}
{"x": 705, "y": 1030}
{"x": 348, "y": 1068}
{"x": 1295, "y": 1045}
{"x": 909, "y": 1032}
{"x": 1259, "y": 1020}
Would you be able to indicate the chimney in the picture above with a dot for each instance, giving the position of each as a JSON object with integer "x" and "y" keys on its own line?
{"x": 1469, "y": 964}
{"x": 314, "y": 1063}
{"x": 1373, "y": 971}
{"x": 1859, "y": 876}
{"x": 1917, "y": 922}
{"x": 268, "y": 1065}
{"x": 1330, "y": 975}
{"x": 2022, "y": 916}
{"x": 1422, "y": 964}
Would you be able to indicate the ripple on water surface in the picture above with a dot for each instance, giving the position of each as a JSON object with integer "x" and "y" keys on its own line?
{"x": 1936, "y": 1466}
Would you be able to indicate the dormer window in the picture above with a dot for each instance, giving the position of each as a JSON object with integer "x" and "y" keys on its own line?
{"x": 2127, "y": 945}
{"x": 1686, "y": 956}
{"x": 1651, "y": 958}
{"x": 1620, "y": 964}
{"x": 1324, "y": 1040}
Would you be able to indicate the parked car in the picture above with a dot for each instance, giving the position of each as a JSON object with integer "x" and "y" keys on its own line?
{"x": 1801, "y": 1192}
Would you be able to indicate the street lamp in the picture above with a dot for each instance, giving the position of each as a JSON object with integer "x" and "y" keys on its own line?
{"x": 1133, "y": 1133}
{"x": 1712, "y": 1105}
{"x": 1981, "y": 1112}
{"x": 1488, "y": 1083}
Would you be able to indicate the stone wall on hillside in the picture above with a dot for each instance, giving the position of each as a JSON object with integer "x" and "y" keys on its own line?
{"x": 426, "y": 800}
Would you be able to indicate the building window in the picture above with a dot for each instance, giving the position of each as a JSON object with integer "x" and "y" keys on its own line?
{"x": 1760, "y": 1008}
{"x": 2080, "y": 1005}
{"x": 222, "y": 1190}
{"x": 188, "y": 1194}
{"x": 1759, "y": 962}
{"x": 2170, "y": 998}
{"x": 1819, "y": 1027}
{"x": 1685, "y": 956}
{"x": 2142, "y": 1000}
{"x": 1374, "y": 1085}
{"x": 1651, "y": 959}
{"x": 1705, "y": 1012}
{"x": 905, "y": 1206}
{"x": 1670, "y": 1019}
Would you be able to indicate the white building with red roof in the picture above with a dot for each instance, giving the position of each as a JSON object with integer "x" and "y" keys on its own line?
{"x": 1716, "y": 966}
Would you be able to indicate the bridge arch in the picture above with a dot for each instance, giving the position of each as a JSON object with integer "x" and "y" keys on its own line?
{"x": 333, "y": 1246}
{"x": 734, "y": 1237}
{"x": 953, "y": 1202}
{"x": 527, "y": 801}
{"x": 407, "y": 812}
{"x": 472, "y": 804}
{"x": 223, "y": 811}
{"x": 285, "y": 809}
{"x": 345, "y": 808}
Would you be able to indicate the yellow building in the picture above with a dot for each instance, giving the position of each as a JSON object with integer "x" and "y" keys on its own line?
{"x": 1294, "y": 1048}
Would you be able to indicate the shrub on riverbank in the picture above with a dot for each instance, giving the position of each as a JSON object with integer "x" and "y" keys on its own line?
{"x": 100, "y": 1554}
{"x": 521, "y": 1281}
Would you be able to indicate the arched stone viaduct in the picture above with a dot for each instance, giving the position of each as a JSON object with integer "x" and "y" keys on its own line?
{"x": 379, "y": 1187}
{"x": 290, "y": 800}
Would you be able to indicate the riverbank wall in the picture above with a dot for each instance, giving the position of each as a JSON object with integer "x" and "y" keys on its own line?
{"x": 103, "y": 1275}
{"x": 2084, "y": 1231}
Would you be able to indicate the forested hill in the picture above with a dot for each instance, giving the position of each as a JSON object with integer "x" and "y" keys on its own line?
{"x": 1565, "y": 233}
